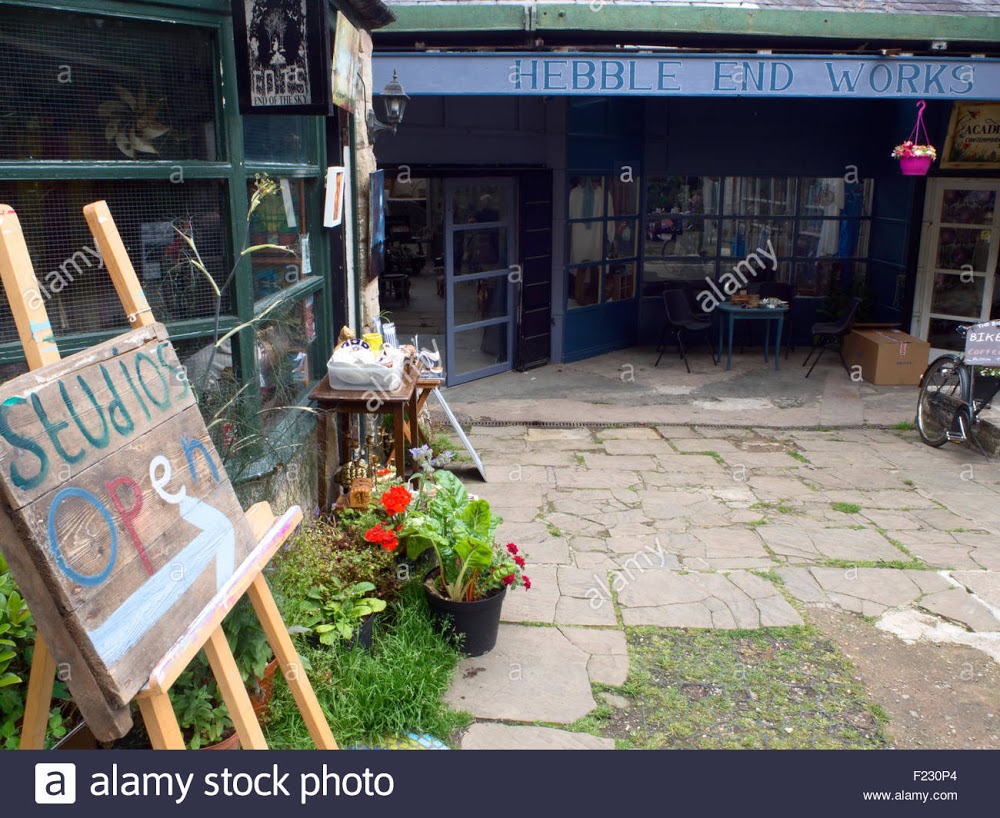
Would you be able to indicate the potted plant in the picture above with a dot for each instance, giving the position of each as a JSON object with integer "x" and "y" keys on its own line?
{"x": 201, "y": 713}
{"x": 985, "y": 384}
{"x": 342, "y": 612}
{"x": 253, "y": 655}
{"x": 472, "y": 572}
{"x": 914, "y": 159}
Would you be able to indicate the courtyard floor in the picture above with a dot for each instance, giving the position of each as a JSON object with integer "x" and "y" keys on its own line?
{"x": 696, "y": 586}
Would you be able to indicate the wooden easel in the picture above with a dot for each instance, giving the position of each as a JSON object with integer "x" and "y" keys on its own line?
{"x": 205, "y": 631}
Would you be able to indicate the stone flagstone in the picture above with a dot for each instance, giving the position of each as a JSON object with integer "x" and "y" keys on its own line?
{"x": 533, "y": 674}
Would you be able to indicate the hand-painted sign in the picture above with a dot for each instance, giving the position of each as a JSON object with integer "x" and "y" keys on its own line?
{"x": 982, "y": 344}
{"x": 123, "y": 515}
{"x": 973, "y": 136}
{"x": 659, "y": 74}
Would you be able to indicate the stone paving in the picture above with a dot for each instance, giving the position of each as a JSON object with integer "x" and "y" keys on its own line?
{"x": 701, "y": 527}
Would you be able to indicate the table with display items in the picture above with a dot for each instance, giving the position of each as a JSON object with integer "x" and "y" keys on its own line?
{"x": 730, "y": 313}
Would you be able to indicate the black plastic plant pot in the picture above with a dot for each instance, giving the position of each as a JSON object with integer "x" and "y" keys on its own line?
{"x": 474, "y": 623}
{"x": 363, "y": 633}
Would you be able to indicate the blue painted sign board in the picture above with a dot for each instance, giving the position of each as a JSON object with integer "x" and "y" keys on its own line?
{"x": 678, "y": 74}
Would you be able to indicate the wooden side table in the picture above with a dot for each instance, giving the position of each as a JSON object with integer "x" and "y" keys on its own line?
{"x": 401, "y": 402}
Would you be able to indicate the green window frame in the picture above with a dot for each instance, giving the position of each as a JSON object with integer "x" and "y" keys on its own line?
{"x": 233, "y": 171}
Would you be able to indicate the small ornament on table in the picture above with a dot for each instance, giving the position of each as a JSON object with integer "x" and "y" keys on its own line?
{"x": 360, "y": 493}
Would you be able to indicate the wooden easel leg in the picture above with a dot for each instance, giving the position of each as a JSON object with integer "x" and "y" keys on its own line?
{"x": 290, "y": 664}
{"x": 161, "y": 721}
{"x": 399, "y": 434}
{"x": 39, "y": 700}
{"x": 234, "y": 692}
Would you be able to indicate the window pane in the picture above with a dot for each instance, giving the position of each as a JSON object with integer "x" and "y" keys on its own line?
{"x": 280, "y": 220}
{"x": 832, "y": 237}
{"x": 826, "y": 276}
{"x": 961, "y": 206}
{"x": 105, "y": 88}
{"x": 962, "y": 248}
{"x": 480, "y": 348}
{"x": 693, "y": 195}
{"x": 586, "y": 240}
{"x": 619, "y": 281}
{"x": 284, "y": 345}
{"x": 835, "y": 197}
{"x": 479, "y": 251}
{"x": 480, "y": 202}
{"x": 955, "y": 294}
{"x": 674, "y": 269}
{"x": 759, "y": 196}
{"x": 75, "y": 285}
{"x": 587, "y": 198}
{"x": 623, "y": 196}
{"x": 677, "y": 235}
{"x": 584, "y": 285}
{"x": 625, "y": 242}
{"x": 943, "y": 334}
{"x": 480, "y": 299}
{"x": 279, "y": 139}
{"x": 741, "y": 237}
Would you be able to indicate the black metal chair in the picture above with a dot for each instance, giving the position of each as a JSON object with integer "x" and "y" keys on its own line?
{"x": 679, "y": 319}
{"x": 830, "y": 335}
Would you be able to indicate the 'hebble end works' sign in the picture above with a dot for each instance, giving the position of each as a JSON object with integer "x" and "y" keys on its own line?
{"x": 690, "y": 75}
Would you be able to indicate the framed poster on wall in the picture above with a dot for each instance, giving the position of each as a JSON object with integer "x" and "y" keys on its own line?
{"x": 376, "y": 225}
{"x": 346, "y": 64}
{"x": 973, "y": 136}
{"x": 283, "y": 56}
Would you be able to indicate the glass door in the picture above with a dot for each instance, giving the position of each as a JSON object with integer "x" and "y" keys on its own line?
{"x": 958, "y": 260}
{"x": 480, "y": 247}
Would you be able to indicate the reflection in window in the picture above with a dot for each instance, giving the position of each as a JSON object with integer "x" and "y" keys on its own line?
{"x": 603, "y": 239}
{"x": 88, "y": 87}
{"x": 279, "y": 224}
{"x": 818, "y": 227}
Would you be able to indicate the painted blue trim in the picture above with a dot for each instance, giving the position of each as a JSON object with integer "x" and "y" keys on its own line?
{"x": 684, "y": 74}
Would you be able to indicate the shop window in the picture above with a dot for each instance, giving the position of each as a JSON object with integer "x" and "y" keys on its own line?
{"x": 281, "y": 220}
{"x": 279, "y": 139}
{"x": 603, "y": 242}
{"x": 285, "y": 344}
{"x": 150, "y": 217}
{"x": 88, "y": 87}
{"x": 701, "y": 226}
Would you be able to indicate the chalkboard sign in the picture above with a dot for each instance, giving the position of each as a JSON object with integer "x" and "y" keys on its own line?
{"x": 117, "y": 520}
{"x": 982, "y": 344}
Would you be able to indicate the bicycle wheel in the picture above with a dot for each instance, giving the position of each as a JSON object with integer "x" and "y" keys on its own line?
{"x": 943, "y": 389}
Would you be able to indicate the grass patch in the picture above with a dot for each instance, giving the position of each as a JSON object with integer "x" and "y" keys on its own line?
{"x": 771, "y": 576}
{"x": 553, "y": 530}
{"x": 798, "y": 456}
{"x": 776, "y": 688}
{"x": 757, "y": 523}
{"x": 846, "y": 508}
{"x": 908, "y": 482}
{"x": 822, "y": 429}
{"x": 580, "y": 459}
{"x": 441, "y": 441}
{"x": 913, "y": 564}
{"x": 366, "y": 697}
{"x": 779, "y": 507}
{"x": 904, "y": 426}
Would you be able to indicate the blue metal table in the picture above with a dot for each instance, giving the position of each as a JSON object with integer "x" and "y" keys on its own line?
{"x": 733, "y": 312}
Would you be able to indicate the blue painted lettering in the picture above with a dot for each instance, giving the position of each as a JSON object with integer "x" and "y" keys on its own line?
{"x": 789, "y": 76}
{"x": 888, "y": 78}
{"x": 719, "y": 76}
{"x": 583, "y": 70}
{"x": 908, "y": 72}
{"x": 965, "y": 74}
{"x": 665, "y": 75}
{"x": 21, "y": 442}
{"x": 88, "y": 580}
{"x": 52, "y": 429}
{"x": 617, "y": 74}
{"x": 850, "y": 82}
{"x": 551, "y": 74}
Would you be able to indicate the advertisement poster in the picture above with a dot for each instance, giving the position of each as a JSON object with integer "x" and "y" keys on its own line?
{"x": 973, "y": 136}
{"x": 376, "y": 222}
{"x": 346, "y": 63}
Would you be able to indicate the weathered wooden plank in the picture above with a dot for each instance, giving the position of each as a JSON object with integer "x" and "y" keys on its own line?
{"x": 53, "y": 428}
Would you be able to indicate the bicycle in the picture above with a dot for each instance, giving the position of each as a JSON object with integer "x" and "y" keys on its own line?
{"x": 948, "y": 407}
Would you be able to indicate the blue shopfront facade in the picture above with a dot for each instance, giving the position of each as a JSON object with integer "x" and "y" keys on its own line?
{"x": 669, "y": 168}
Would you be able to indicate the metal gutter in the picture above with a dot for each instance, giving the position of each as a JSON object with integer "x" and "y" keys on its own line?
{"x": 563, "y": 18}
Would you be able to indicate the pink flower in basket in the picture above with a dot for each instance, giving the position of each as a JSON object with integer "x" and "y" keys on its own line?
{"x": 909, "y": 149}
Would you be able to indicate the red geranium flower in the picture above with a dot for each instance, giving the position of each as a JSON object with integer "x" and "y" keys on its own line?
{"x": 508, "y": 580}
{"x": 527, "y": 583}
{"x": 512, "y": 548}
{"x": 381, "y": 536}
{"x": 519, "y": 561}
{"x": 396, "y": 499}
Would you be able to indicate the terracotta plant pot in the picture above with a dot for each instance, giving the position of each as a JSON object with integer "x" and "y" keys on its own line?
{"x": 475, "y": 623}
{"x": 260, "y": 697}
{"x": 915, "y": 165}
{"x": 230, "y": 742}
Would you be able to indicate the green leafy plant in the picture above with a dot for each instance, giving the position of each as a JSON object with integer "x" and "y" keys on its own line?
{"x": 461, "y": 533}
{"x": 247, "y": 640}
{"x": 335, "y": 612}
{"x": 201, "y": 713}
{"x": 16, "y": 625}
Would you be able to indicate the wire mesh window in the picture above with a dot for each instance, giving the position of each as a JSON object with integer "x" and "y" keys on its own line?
{"x": 77, "y": 289}
{"x": 286, "y": 139}
{"x": 88, "y": 87}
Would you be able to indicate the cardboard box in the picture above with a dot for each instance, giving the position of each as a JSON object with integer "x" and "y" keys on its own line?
{"x": 887, "y": 357}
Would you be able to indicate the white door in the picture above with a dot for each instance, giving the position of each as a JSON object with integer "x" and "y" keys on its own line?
{"x": 959, "y": 246}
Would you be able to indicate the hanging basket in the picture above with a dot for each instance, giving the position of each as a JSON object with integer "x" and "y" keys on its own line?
{"x": 915, "y": 165}
{"x": 915, "y": 156}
